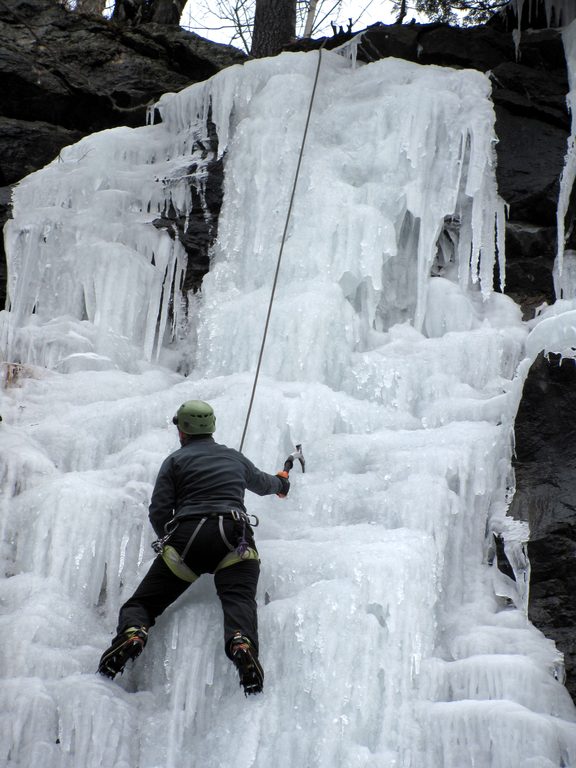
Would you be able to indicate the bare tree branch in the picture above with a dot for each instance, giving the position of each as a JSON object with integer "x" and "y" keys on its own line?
{"x": 321, "y": 20}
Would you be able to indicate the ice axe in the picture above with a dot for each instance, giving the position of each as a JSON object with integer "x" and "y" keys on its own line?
{"x": 289, "y": 463}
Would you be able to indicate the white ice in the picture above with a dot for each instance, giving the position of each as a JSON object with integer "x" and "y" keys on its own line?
{"x": 389, "y": 637}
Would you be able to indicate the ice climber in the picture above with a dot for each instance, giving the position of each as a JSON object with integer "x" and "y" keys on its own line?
{"x": 197, "y": 511}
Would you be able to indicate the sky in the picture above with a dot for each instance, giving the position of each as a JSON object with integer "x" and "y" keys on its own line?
{"x": 363, "y": 12}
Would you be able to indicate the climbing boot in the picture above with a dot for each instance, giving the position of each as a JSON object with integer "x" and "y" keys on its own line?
{"x": 246, "y": 661}
{"x": 127, "y": 645}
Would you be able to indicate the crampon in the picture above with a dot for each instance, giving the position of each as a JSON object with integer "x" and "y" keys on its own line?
{"x": 246, "y": 661}
{"x": 128, "y": 645}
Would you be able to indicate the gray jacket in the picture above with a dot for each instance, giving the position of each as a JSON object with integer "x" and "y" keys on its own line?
{"x": 204, "y": 476}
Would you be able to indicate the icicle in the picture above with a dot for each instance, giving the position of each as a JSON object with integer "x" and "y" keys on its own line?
{"x": 561, "y": 12}
{"x": 569, "y": 172}
{"x": 349, "y": 49}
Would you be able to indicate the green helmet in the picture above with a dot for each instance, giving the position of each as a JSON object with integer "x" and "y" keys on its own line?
{"x": 194, "y": 417}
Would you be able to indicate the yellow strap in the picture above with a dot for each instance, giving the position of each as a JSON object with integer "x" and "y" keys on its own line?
{"x": 233, "y": 557}
{"x": 178, "y": 567}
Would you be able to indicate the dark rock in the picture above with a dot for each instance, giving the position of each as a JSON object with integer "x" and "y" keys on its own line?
{"x": 530, "y": 161}
{"x": 532, "y": 93}
{"x": 26, "y": 146}
{"x": 480, "y": 48}
{"x": 530, "y": 255}
{"x": 542, "y": 49}
{"x": 87, "y": 73}
{"x": 381, "y": 41}
{"x": 504, "y": 565}
{"x": 532, "y": 125}
{"x": 545, "y": 432}
{"x": 472, "y": 47}
{"x": 570, "y": 222}
{"x": 5, "y": 214}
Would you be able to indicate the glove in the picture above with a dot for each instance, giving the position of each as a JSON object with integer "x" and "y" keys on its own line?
{"x": 283, "y": 477}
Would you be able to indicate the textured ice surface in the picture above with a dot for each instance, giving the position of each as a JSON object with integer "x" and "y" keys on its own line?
{"x": 388, "y": 636}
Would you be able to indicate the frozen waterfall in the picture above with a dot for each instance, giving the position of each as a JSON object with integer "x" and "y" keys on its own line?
{"x": 389, "y": 637}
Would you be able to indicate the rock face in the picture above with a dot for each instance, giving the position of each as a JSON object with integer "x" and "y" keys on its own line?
{"x": 545, "y": 469}
{"x": 65, "y": 75}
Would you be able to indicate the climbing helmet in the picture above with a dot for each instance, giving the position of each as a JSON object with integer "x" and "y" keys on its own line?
{"x": 195, "y": 417}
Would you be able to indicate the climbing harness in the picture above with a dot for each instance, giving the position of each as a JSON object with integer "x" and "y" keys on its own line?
{"x": 275, "y": 281}
{"x": 176, "y": 561}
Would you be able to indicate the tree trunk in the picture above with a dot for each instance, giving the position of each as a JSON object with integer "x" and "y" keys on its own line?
{"x": 134, "y": 12}
{"x": 309, "y": 26}
{"x": 168, "y": 11}
{"x": 274, "y": 26}
{"x": 91, "y": 6}
{"x": 402, "y": 13}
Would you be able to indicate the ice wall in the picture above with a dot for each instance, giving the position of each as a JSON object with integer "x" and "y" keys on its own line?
{"x": 389, "y": 637}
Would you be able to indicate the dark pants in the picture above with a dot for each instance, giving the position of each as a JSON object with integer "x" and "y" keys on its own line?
{"x": 236, "y": 584}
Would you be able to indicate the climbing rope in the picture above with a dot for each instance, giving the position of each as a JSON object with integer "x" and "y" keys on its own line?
{"x": 271, "y": 302}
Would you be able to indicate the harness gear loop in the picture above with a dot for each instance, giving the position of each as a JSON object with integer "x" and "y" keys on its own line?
{"x": 224, "y": 537}
{"x": 296, "y": 175}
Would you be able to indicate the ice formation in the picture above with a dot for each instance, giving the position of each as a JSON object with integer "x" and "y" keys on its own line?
{"x": 558, "y": 12}
{"x": 565, "y": 265}
{"x": 389, "y": 637}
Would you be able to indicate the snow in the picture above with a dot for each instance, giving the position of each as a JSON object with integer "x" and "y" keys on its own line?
{"x": 389, "y": 637}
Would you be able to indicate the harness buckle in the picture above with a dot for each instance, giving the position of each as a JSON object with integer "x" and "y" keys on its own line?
{"x": 243, "y": 517}
{"x": 158, "y": 545}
